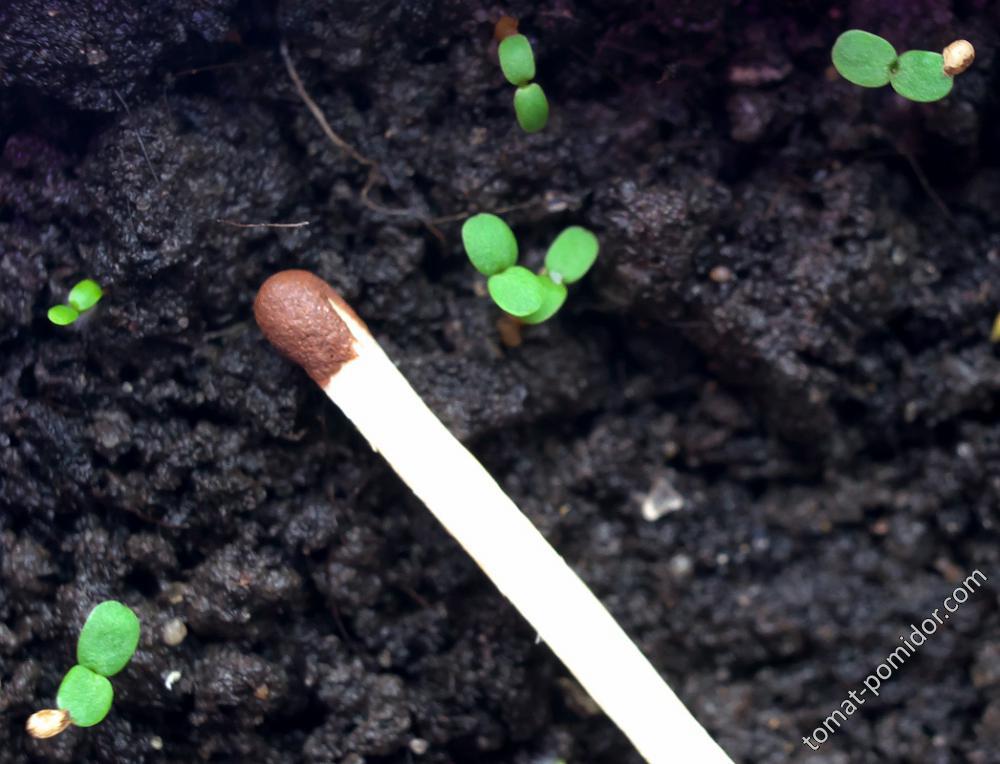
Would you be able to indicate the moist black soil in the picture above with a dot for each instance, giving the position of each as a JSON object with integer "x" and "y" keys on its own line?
{"x": 788, "y": 328}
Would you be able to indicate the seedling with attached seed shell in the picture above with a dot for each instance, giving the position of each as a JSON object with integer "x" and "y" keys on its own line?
{"x": 84, "y": 296}
{"x": 492, "y": 248}
{"x": 517, "y": 61}
{"x": 107, "y": 643}
{"x": 307, "y": 321}
{"x": 870, "y": 61}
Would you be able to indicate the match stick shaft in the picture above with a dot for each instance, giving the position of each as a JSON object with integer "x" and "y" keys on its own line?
{"x": 522, "y": 564}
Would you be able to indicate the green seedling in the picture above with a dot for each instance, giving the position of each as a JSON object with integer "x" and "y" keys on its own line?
{"x": 870, "y": 61}
{"x": 107, "y": 643}
{"x": 531, "y": 298}
{"x": 517, "y": 61}
{"x": 82, "y": 297}
{"x": 531, "y": 108}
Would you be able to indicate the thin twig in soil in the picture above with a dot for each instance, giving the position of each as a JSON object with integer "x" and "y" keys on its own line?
{"x": 499, "y": 211}
{"x": 135, "y": 130}
{"x": 235, "y": 224}
{"x": 317, "y": 113}
{"x": 374, "y": 171}
{"x": 917, "y": 170}
{"x": 928, "y": 188}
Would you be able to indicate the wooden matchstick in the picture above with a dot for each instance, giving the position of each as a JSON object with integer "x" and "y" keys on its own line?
{"x": 309, "y": 322}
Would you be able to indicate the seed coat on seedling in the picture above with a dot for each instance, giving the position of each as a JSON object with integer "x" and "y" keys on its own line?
{"x": 48, "y": 723}
{"x": 958, "y": 56}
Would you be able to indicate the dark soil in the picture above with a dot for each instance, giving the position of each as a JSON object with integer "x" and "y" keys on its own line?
{"x": 788, "y": 325}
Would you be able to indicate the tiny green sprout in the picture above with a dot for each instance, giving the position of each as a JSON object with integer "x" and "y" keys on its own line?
{"x": 517, "y": 291}
{"x": 63, "y": 315}
{"x": 489, "y": 243}
{"x": 870, "y": 61}
{"x": 82, "y": 297}
{"x": 85, "y": 295}
{"x": 531, "y": 298}
{"x": 571, "y": 255}
{"x": 517, "y": 59}
{"x": 107, "y": 642}
{"x": 531, "y": 107}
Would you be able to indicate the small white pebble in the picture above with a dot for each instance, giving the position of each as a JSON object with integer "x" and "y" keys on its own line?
{"x": 680, "y": 566}
{"x": 171, "y": 679}
{"x": 156, "y": 743}
{"x": 419, "y": 746}
{"x": 662, "y": 499}
{"x": 720, "y": 274}
{"x": 174, "y": 632}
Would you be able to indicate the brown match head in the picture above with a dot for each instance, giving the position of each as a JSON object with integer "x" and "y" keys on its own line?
{"x": 293, "y": 310}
